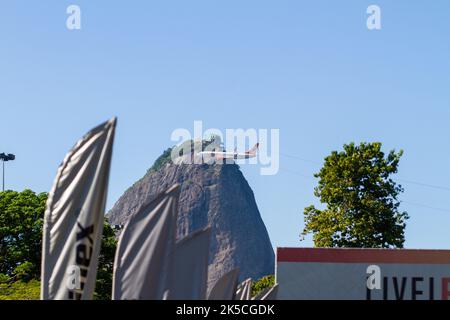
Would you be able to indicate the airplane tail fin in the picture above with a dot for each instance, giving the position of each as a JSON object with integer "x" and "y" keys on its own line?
{"x": 254, "y": 149}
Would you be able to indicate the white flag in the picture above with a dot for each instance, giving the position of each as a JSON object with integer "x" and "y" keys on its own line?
{"x": 142, "y": 262}
{"x": 188, "y": 280}
{"x": 244, "y": 291}
{"x": 73, "y": 222}
{"x": 225, "y": 287}
{"x": 271, "y": 294}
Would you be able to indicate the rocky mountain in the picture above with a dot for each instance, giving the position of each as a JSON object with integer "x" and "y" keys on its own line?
{"x": 211, "y": 195}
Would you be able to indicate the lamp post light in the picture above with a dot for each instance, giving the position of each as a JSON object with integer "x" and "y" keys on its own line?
{"x": 6, "y": 157}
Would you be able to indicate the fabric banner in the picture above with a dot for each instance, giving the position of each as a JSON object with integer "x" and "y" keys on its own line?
{"x": 189, "y": 278}
{"x": 74, "y": 216}
{"x": 142, "y": 264}
{"x": 225, "y": 288}
{"x": 244, "y": 291}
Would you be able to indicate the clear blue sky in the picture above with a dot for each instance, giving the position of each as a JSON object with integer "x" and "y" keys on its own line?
{"x": 309, "y": 68}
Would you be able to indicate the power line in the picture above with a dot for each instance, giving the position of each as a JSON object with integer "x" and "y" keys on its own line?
{"x": 299, "y": 158}
{"x": 297, "y": 173}
{"x": 422, "y": 184}
{"x": 426, "y": 206}
{"x": 406, "y": 202}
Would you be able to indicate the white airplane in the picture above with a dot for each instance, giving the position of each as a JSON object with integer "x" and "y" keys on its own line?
{"x": 221, "y": 155}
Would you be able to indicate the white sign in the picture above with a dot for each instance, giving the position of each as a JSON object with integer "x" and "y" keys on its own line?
{"x": 363, "y": 274}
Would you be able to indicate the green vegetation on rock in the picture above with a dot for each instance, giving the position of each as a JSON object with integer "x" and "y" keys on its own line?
{"x": 184, "y": 149}
{"x": 162, "y": 160}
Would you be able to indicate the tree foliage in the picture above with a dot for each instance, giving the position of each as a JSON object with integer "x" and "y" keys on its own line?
{"x": 21, "y": 220}
{"x": 263, "y": 283}
{"x": 103, "y": 285}
{"x": 188, "y": 147}
{"x": 361, "y": 198}
{"x": 21, "y": 224}
{"x": 20, "y": 290}
{"x": 162, "y": 160}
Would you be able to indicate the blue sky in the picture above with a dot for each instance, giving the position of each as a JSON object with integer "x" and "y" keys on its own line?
{"x": 310, "y": 68}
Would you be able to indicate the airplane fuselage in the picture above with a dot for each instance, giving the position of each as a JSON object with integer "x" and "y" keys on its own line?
{"x": 226, "y": 155}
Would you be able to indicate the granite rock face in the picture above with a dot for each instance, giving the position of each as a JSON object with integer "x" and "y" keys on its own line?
{"x": 211, "y": 195}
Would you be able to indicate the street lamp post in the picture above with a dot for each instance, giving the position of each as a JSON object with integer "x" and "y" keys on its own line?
{"x": 6, "y": 157}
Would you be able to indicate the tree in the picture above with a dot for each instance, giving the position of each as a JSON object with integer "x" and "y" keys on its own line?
{"x": 361, "y": 198}
{"x": 103, "y": 286}
{"x": 20, "y": 290}
{"x": 263, "y": 283}
{"x": 21, "y": 227}
{"x": 21, "y": 220}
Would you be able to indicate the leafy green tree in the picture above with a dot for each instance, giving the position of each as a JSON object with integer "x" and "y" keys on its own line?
{"x": 21, "y": 220}
{"x": 20, "y": 290}
{"x": 361, "y": 198}
{"x": 21, "y": 224}
{"x": 103, "y": 286}
{"x": 263, "y": 283}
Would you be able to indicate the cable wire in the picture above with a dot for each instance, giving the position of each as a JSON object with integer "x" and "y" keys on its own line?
{"x": 422, "y": 184}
